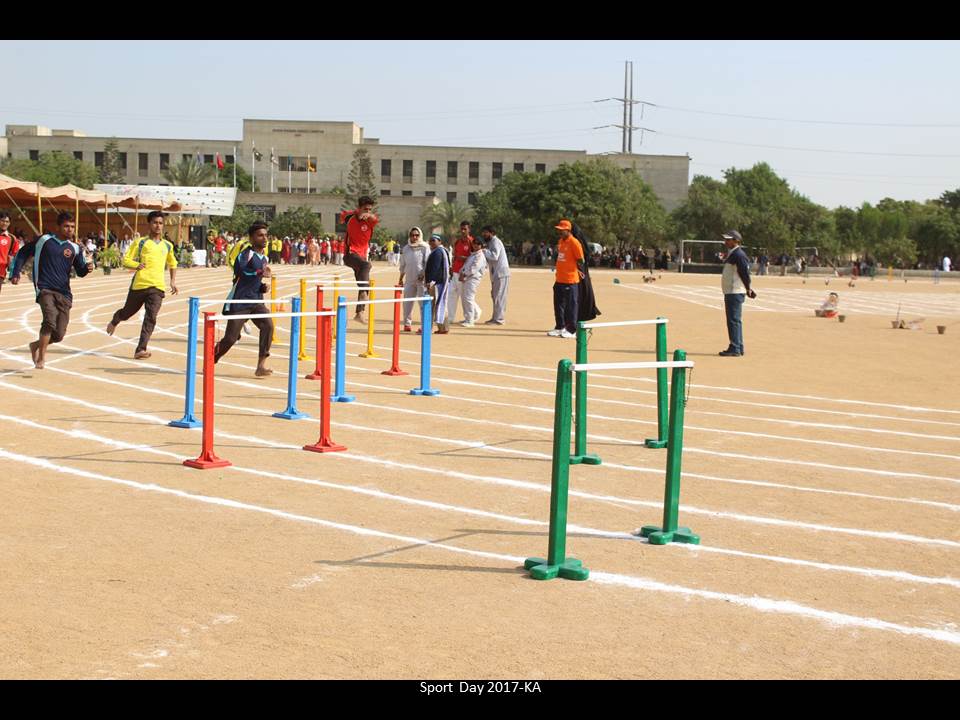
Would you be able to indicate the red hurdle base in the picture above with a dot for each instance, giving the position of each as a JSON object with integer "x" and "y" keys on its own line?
{"x": 207, "y": 462}
{"x": 323, "y": 445}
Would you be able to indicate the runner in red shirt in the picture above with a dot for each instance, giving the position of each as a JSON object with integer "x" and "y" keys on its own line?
{"x": 360, "y": 224}
{"x": 8, "y": 246}
{"x": 461, "y": 251}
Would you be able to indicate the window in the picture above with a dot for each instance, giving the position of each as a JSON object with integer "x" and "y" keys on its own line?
{"x": 187, "y": 157}
{"x": 292, "y": 163}
{"x": 98, "y": 158}
{"x": 518, "y": 167}
{"x": 430, "y": 193}
{"x": 497, "y": 172}
{"x": 230, "y": 160}
{"x": 78, "y": 154}
{"x": 164, "y": 161}
{"x": 431, "y": 172}
{"x": 541, "y": 168}
{"x": 408, "y": 171}
{"x": 386, "y": 170}
{"x": 472, "y": 198}
{"x": 452, "y": 172}
{"x": 474, "y": 173}
{"x": 407, "y": 193}
{"x": 123, "y": 160}
{"x": 451, "y": 197}
{"x": 34, "y": 154}
{"x": 384, "y": 193}
{"x": 208, "y": 159}
{"x": 142, "y": 165}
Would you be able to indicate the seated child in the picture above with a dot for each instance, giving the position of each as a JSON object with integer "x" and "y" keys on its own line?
{"x": 830, "y": 307}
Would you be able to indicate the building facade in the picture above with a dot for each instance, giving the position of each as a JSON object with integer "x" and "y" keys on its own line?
{"x": 296, "y": 163}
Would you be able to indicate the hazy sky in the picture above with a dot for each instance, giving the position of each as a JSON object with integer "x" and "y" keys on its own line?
{"x": 538, "y": 94}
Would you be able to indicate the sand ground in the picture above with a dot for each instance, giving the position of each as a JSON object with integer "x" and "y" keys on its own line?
{"x": 821, "y": 471}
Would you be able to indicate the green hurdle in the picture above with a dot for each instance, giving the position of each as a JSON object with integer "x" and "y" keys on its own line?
{"x": 557, "y": 564}
{"x": 580, "y": 454}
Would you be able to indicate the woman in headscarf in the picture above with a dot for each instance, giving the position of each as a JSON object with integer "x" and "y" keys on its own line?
{"x": 285, "y": 253}
{"x": 436, "y": 276}
{"x": 413, "y": 265}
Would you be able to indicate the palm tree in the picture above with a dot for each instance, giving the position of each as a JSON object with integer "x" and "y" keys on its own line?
{"x": 190, "y": 173}
{"x": 447, "y": 216}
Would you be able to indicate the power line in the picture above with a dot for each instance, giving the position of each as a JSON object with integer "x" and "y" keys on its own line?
{"x": 843, "y": 177}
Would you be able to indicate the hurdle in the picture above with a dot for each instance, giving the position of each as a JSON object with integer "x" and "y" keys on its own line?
{"x": 580, "y": 455}
{"x": 395, "y": 363}
{"x": 324, "y": 443}
{"x": 207, "y": 458}
{"x": 302, "y": 342}
{"x": 370, "y": 352}
{"x": 557, "y": 564}
{"x": 189, "y": 420}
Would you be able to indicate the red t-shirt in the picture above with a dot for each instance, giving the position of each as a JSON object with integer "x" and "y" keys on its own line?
{"x": 8, "y": 248}
{"x": 461, "y": 251}
{"x": 219, "y": 244}
{"x": 359, "y": 232}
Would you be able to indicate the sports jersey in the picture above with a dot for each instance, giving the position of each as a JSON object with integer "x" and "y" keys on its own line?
{"x": 568, "y": 252}
{"x": 155, "y": 255}
{"x": 248, "y": 277}
{"x": 359, "y": 232}
{"x": 461, "y": 251}
{"x": 8, "y": 249}
{"x": 52, "y": 260}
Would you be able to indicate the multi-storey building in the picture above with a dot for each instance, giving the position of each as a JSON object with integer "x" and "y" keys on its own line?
{"x": 311, "y": 158}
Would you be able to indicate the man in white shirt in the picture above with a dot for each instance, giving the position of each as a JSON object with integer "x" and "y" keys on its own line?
{"x": 946, "y": 264}
{"x": 496, "y": 257}
{"x": 470, "y": 275}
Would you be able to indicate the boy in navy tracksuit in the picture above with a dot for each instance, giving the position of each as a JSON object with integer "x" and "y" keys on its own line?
{"x": 250, "y": 269}
{"x": 53, "y": 258}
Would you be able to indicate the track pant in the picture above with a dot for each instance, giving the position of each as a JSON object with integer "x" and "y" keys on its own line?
{"x": 454, "y": 290}
{"x": 55, "y": 309}
{"x": 733, "y": 305}
{"x": 361, "y": 271}
{"x": 412, "y": 289}
{"x": 566, "y": 297}
{"x": 150, "y": 299}
{"x": 232, "y": 333}
{"x": 468, "y": 298}
{"x": 498, "y": 292}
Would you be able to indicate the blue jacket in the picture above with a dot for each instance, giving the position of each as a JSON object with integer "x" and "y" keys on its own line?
{"x": 52, "y": 260}
{"x": 438, "y": 263}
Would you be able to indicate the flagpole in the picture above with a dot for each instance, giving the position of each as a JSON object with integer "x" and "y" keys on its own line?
{"x": 308, "y": 174}
{"x": 253, "y": 166}
{"x": 290, "y": 173}
{"x": 273, "y": 160}
{"x": 234, "y": 165}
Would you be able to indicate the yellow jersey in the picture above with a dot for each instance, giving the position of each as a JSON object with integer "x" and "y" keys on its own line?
{"x": 156, "y": 255}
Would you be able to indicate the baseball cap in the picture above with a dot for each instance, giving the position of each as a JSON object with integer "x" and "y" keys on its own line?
{"x": 436, "y": 237}
{"x": 564, "y": 225}
{"x": 732, "y": 235}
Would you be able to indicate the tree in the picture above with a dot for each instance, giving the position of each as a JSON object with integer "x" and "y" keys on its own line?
{"x": 190, "y": 173}
{"x": 360, "y": 181}
{"x": 767, "y": 204}
{"x": 709, "y": 210}
{"x": 447, "y": 216}
{"x": 513, "y": 207}
{"x": 52, "y": 169}
{"x": 244, "y": 181}
{"x": 111, "y": 171}
{"x": 296, "y": 222}
{"x": 950, "y": 199}
{"x": 238, "y": 223}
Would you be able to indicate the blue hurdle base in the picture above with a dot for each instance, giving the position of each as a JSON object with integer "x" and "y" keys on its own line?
{"x": 289, "y": 414}
{"x": 425, "y": 391}
{"x": 186, "y": 422}
{"x": 342, "y": 398}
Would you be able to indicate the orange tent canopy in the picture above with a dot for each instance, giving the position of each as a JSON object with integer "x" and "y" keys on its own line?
{"x": 65, "y": 196}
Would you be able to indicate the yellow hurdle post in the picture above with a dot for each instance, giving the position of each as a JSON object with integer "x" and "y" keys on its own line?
{"x": 273, "y": 301}
{"x": 303, "y": 326}
{"x": 370, "y": 353}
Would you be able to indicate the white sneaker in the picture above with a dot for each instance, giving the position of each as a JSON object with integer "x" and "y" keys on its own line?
{"x": 477, "y": 314}
{"x": 556, "y": 333}
{"x": 566, "y": 334}
{"x": 466, "y": 323}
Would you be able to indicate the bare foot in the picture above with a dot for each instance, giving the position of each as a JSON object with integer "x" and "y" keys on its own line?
{"x": 142, "y": 355}
{"x": 34, "y": 348}
{"x": 360, "y": 318}
{"x": 111, "y": 328}
{"x": 263, "y": 372}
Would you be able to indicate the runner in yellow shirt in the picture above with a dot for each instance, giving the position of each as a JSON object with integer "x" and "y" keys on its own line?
{"x": 148, "y": 257}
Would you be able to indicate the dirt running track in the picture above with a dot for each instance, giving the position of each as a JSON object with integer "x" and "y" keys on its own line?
{"x": 821, "y": 471}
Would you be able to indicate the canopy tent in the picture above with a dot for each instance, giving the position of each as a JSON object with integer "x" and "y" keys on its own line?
{"x": 33, "y": 201}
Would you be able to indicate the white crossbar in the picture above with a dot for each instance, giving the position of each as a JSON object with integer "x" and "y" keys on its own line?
{"x": 658, "y": 321}
{"x": 387, "y": 300}
{"x": 628, "y": 365}
{"x": 265, "y": 301}
{"x": 310, "y": 313}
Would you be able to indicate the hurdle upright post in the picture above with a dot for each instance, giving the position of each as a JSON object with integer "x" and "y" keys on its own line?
{"x": 395, "y": 366}
{"x": 189, "y": 420}
{"x": 273, "y": 301}
{"x": 316, "y": 373}
{"x": 339, "y": 392}
{"x": 662, "y": 399}
{"x": 207, "y": 458}
{"x": 425, "y": 350}
{"x": 580, "y": 454}
{"x": 303, "y": 326}
{"x": 324, "y": 443}
{"x": 556, "y": 562}
{"x": 669, "y": 531}
{"x": 370, "y": 353}
{"x": 291, "y": 412}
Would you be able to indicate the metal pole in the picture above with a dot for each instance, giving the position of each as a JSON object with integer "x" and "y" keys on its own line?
{"x": 425, "y": 350}
{"x": 580, "y": 455}
{"x": 339, "y": 393}
{"x": 319, "y": 367}
{"x": 395, "y": 366}
{"x": 303, "y": 326}
{"x": 291, "y": 413}
{"x": 189, "y": 420}
{"x": 662, "y": 394}
{"x": 208, "y": 458}
{"x": 370, "y": 352}
{"x": 324, "y": 444}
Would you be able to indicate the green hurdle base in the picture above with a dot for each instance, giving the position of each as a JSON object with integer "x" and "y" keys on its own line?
{"x": 569, "y": 569}
{"x": 585, "y": 459}
{"x": 653, "y": 443}
{"x": 656, "y": 535}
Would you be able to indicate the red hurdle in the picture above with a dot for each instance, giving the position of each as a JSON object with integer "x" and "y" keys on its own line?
{"x": 395, "y": 367}
{"x": 207, "y": 458}
{"x": 316, "y": 373}
{"x": 324, "y": 444}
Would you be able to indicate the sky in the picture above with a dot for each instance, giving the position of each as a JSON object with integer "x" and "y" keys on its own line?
{"x": 845, "y": 122}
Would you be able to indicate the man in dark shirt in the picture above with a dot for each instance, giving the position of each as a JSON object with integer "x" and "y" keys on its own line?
{"x": 436, "y": 276}
{"x": 735, "y": 282}
{"x": 53, "y": 257}
{"x": 250, "y": 269}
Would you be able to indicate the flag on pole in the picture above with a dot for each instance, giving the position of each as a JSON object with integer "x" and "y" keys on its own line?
{"x": 219, "y": 162}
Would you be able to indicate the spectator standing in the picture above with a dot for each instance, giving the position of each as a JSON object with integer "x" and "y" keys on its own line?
{"x": 413, "y": 266}
{"x": 461, "y": 251}
{"x": 735, "y": 282}
{"x": 470, "y": 275}
{"x": 437, "y": 277}
{"x": 569, "y": 270}
{"x": 496, "y": 256}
